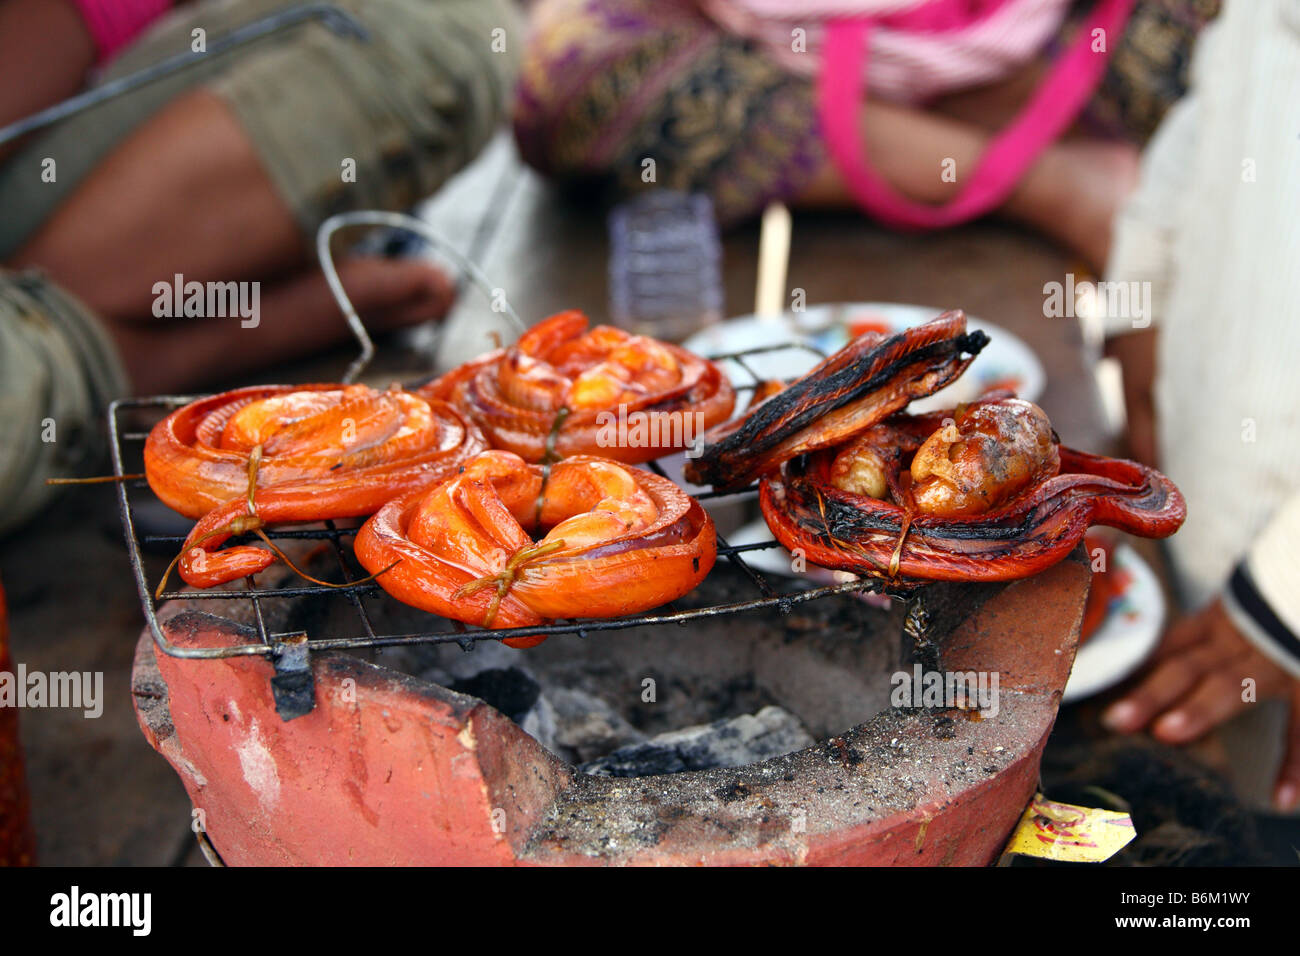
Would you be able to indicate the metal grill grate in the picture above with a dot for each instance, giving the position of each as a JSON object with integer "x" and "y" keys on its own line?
{"x": 353, "y": 590}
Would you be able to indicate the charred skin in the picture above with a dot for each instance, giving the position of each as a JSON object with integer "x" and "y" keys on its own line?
{"x": 554, "y": 390}
{"x": 866, "y": 381}
{"x": 845, "y": 531}
{"x": 984, "y": 492}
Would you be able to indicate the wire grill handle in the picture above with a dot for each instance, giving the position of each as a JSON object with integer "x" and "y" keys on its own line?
{"x": 394, "y": 220}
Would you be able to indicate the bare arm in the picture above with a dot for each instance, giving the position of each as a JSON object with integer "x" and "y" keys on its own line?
{"x": 1136, "y": 352}
{"x": 45, "y": 53}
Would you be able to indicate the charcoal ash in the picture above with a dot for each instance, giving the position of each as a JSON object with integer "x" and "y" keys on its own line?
{"x": 695, "y": 695}
{"x": 731, "y": 742}
{"x": 588, "y": 727}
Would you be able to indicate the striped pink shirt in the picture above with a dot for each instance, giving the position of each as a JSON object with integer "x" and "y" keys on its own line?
{"x": 919, "y": 49}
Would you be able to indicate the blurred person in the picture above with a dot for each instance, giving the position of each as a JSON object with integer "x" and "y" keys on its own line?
{"x": 221, "y": 172}
{"x": 1211, "y": 387}
{"x": 760, "y": 100}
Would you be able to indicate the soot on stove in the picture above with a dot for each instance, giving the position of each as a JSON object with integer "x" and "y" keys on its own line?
{"x": 714, "y": 692}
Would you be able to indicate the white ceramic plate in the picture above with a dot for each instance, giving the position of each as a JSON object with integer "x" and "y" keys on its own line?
{"x": 1129, "y": 633}
{"x": 1005, "y": 361}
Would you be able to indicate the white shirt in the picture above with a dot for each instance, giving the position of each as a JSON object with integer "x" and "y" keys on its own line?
{"x": 1215, "y": 228}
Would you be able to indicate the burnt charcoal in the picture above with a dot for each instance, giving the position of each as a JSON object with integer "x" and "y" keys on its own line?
{"x": 734, "y": 742}
{"x": 828, "y": 663}
{"x": 508, "y": 689}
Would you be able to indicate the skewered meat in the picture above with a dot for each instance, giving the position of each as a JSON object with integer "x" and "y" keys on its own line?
{"x": 245, "y": 459}
{"x": 613, "y": 540}
{"x": 871, "y": 377}
{"x": 560, "y": 390}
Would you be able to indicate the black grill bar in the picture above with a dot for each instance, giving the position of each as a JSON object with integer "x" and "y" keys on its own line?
{"x": 352, "y": 596}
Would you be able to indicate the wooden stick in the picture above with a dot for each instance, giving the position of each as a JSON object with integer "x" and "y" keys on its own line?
{"x": 773, "y": 262}
{"x": 97, "y": 480}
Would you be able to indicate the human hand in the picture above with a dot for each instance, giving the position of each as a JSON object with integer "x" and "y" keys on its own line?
{"x": 1196, "y": 684}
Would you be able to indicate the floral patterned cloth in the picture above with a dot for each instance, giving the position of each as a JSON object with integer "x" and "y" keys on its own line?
{"x": 608, "y": 84}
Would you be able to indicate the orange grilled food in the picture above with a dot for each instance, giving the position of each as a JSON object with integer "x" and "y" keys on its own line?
{"x": 252, "y": 457}
{"x": 883, "y": 537}
{"x": 982, "y": 492}
{"x": 568, "y": 390}
{"x": 509, "y": 544}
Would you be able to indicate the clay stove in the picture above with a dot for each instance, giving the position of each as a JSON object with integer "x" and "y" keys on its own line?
{"x": 388, "y": 769}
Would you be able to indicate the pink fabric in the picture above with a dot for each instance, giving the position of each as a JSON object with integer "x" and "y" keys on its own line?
{"x": 919, "y": 49}
{"x": 115, "y": 23}
{"x": 1054, "y": 105}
